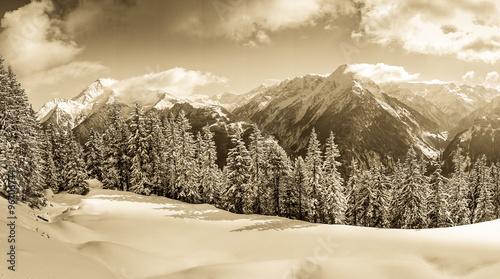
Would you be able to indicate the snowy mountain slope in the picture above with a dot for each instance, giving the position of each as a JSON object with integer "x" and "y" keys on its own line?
{"x": 112, "y": 234}
{"x": 73, "y": 111}
{"x": 231, "y": 101}
{"x": 454, "y": 101}
{"x": 489, "y": 111}
{"x": 101, "y": 93}
{"x": 421, "y": 104}
{"x": 367, "y": 122}
{"x": 477, "y": 134}
{"x": 93, "y": 107}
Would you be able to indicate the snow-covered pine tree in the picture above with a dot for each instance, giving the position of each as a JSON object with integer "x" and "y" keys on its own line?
{"x": 278, "y": 172}
{"x": 237, "y": 172}
{"x": 76, "y": 181}
{"x": 459, "y": 202}
{"x": 93, "y": 155}
{"x": 199, "y": 146}
{"x": 411, "y": 200}
{"x": 73, "y": 171}
{"x": 22, "y": 140}
{"x": 116, "y": 165}
{"x": 187, "y": 190}
{"x": 438, "y": 199}
{"x": 258, "y": 179}
{"x": 364, "y": 199}
{"x": 378, "y": 210}
{"x": 482, "y": 196}
{"x": 315, "y": 178}
{"x": 4, "y": 163}
{"x": 138, "y": 150}
{"x": 335, "y": 202}
{"x": 397, "y": 180}
{"x": 210, "y": 174}
{"x": 49, "y": 170}
{"x": 351, "y": 192}
{"x": 59, "y": 158}
{"x": 474, "y": 181}
{"x": 33, "y": 194}
{"x": 495, "y": 188}
{"x": 157, "y": 154}
{"x": 172, "y": 140}
{"x": 298, "y": 192}
{"x": 111, "y": 171}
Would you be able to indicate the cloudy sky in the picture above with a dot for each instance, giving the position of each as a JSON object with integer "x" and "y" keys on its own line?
{"x": 58, "y": 47}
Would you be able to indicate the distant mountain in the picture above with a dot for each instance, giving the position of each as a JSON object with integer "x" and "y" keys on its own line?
{"x": 92, "y": 108}
{"x": 367, "y": 122}
{"x": 477, "y": 134}
{"x": 443, "y": 102}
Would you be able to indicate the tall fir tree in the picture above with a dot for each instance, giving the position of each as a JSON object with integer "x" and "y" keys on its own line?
{"x": 116, "y": 165}
{"x": 187, "y": 190}
{"x": 49, "y": 170}
{"x": 258, "y": 179}
{"x": 460, "y": 210}
{"x": 278, "y": 174}
{"x": 363, "y": 199}
{"x": 77, "y": 172}
{"x": 411, "y": 198}
{"x": 495, "y": 188}
{"x": 157, "y": 154}
{"x": 22, "y": 142}
{"x": 111, "y": 170}
{"x": 483, "y": 199}
{"x": 352, "y": 188}
{"x": 237, "y": 172}
{"x": 397, "y": 180}
{"x": 335, "y": 202}
{"x": 93, "y": 155}
{"x": 172, "y": 139}
{"x": 298, "y": 192}
{"x": 315, "y": 178}
{"x": 138, "y": 150}
{"x": 210, "y": 174}
{"x": 379, "y": 184}
{"x": 73, "y": 173}
{"x": 439, "y": 199}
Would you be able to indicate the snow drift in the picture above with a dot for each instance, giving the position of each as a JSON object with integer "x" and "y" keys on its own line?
{"x": 111, "y": 234}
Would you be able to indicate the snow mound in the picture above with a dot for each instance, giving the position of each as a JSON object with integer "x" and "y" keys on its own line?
{"x": 113, "y": 234}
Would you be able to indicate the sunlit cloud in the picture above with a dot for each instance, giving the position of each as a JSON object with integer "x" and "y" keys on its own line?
{"x": 381, "y": 73}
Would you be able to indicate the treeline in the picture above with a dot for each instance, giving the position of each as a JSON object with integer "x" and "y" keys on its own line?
{"x": 21, "y": 144}
{"x": 148, "y": 155}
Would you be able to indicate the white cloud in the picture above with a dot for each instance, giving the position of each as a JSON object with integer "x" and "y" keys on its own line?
{"x": 468, "y": 29}
{"x": 251, "y": 22}
{"x": 40, "y": 53}
{"x": 492, "y": 79}
{"x": 177, "y": 81}
{"x": 381, "y": 72}
{"x": 31, "y": 41}
{"x": 469, "y": 76}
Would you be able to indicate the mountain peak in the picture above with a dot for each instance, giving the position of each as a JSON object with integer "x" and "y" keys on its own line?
{"x": 341, "y": 71}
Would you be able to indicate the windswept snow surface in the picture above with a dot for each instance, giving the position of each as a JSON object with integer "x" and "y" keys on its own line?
{"x": 111, "y": 234}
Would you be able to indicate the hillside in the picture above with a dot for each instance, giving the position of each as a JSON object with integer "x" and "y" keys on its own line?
{"x": 110, "y": 234}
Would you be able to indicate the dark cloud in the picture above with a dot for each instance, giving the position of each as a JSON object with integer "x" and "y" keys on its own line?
{"x": 62, "y": 8}
{"x": 448, "y": 28}
{"x": 481, "y": 45}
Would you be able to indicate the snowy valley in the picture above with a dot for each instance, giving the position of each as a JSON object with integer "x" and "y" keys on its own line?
{"x": 114, "y": 234}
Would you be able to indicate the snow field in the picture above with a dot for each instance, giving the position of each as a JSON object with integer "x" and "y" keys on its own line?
{"x": 111, "y": 234}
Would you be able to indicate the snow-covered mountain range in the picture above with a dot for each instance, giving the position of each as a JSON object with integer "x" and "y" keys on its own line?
{"x": 370, "y": 120}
